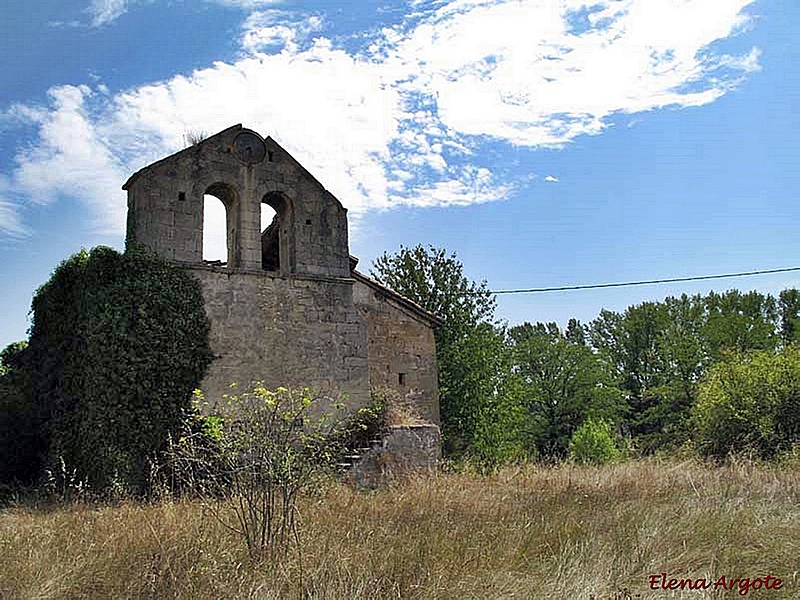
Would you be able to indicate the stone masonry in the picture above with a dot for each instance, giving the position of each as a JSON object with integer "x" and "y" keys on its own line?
{"x": 288, "y": 306}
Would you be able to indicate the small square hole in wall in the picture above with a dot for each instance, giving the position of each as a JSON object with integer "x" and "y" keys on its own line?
{"x": 182, "y": 196}
{"x": 401, "y": 378}
{"x": 308, "y": 221}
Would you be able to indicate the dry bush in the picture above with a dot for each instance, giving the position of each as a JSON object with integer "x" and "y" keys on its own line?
{"x": 253, "y": 468}
{"x": 560, "y": 532}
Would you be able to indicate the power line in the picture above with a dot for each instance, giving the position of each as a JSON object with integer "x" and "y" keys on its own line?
{"x": 648, "y": 282}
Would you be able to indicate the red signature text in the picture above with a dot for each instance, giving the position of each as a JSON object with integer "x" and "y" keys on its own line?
{"x": 742, "y": 585}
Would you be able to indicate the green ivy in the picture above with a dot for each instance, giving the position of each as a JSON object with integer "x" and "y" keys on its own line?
{"x": 21, "y": 444}
{"x": 118, "y": 343}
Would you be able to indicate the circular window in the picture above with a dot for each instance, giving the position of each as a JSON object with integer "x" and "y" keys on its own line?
{"x": 249, "y": 148}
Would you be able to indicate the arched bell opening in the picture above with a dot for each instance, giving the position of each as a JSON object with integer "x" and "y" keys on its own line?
{"x": 270, "y": 242}
{"x": 277, "y": 252}
{"x": 220, "y": 225}
{"x": 215, "y": 230}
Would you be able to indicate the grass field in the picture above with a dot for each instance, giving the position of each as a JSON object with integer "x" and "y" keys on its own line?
{"x": 562, "y": 532}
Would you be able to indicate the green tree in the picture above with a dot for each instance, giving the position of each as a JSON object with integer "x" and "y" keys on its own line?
{"x": 750, "y": 403}
{"x": 482, "y": 414}
{"x": 632, "y": 344}
{"x": 739, "y": 322}
{"x": 683, "y": 347}
{"x": 684, "y": 357}
{"x": 789, "y": 308}
{"x": 564, "y": 383}
{"x": 659, "y": 351}
{"x": 477, "y": 391}
{"x": 436, "y": 281}
{"x": 575, "y": 332}
{"x": 629, "y": 341}
{"x": 118, "y": 343}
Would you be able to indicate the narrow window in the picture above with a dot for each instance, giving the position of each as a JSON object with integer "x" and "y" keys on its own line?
{"x": 270, "y": 239}
{"x": 215, "y": 238}
{"x": 401, "y": 378}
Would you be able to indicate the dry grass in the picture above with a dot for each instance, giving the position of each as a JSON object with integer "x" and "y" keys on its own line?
{"x": 528, "y": 532}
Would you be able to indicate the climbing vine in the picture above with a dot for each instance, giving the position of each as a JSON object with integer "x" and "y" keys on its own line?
{"x": 118, "y": 343}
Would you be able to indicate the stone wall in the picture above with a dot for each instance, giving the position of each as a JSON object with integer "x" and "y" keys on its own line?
{"x": 401, "y": 348}
{"x": 339, "y": 336}
{"x": 404, "y": 451}
{"x": 285, "y": 331}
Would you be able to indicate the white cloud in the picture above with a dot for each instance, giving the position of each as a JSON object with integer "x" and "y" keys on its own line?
{"x": 104, "y": 12}
{"x": 327, "y": 109}
{"x": 11, "y": 221}
{"x": 11, "y": 225}
{"x": 400, "y": 122}
{"x": 551, "y": 179}
{"x": 544, "y": 81}
{"x": 275, "y": 29}
{"x": 72, "y": 158}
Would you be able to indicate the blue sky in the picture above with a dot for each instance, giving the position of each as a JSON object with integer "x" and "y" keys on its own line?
{"x": 546, "y": 142}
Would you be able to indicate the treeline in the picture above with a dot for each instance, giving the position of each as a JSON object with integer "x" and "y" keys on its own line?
{"x": 715, "y": 374}
{"x": 119, "y": 341}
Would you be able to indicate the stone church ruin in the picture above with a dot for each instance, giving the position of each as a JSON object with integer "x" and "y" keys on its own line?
{"x": 288, "y": 306}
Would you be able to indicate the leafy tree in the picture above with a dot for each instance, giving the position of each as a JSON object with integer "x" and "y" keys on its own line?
{"x": 482, "y": 412}
{"x": 739, "y": 322}
{"x": 564, "y": 383}
{"x": 575, "y": 332}
{"x": 684, "y": 349}
{"x": 683, "y": 356}
{"x": 118, "y": 343}
{"x": 632, "y": 343}
{"x": 789, "y": 309}
{"x": 480, "y": 415}
{"x": 750, "y": 402}
{"x": 657, "y": 355}
{"x": 436, "y": 281}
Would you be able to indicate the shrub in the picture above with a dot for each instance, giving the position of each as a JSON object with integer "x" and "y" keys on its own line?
{"x": 193, "y": 459}
{"x": 118, "y": 343}
{"x": 750, "y": 403}
{"x": 367, "y": 423}
{"x": 272, "y": 447}
{"x": 593, "y": 442}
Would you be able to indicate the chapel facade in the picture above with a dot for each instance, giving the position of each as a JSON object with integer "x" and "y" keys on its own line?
{"x": 288, "y": 306}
